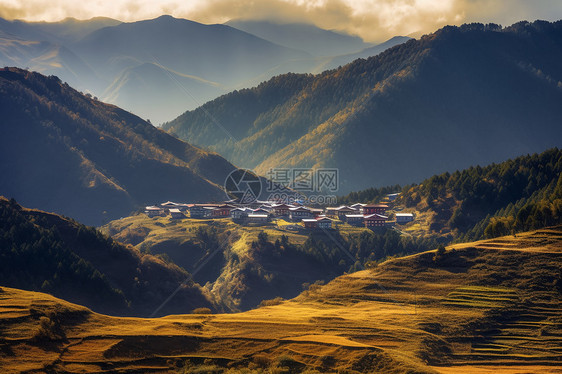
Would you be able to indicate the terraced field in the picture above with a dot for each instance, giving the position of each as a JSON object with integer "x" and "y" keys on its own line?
{"x": 529, "y": 332}
{"x": 491, "y": 306}
{"x": 481, "y": 297}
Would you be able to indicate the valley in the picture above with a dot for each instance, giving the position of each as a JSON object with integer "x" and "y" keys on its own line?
{"x": 244, "y": 264}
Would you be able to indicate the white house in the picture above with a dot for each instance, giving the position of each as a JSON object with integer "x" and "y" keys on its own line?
{"x": 153, "y": 211}
{"x": 392, "y": 196}
{"x": 403, "y": 218}
{"x": 240, "y": 213}
{"x": 258, "y": 218}
{"x": 301, "y": 212}
{"x": 324, "y": 223}
{"x": 176, "y": 213}
{"x": 358, "y": 207}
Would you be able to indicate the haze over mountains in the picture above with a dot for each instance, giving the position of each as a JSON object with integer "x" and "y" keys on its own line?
{"x": 462, "y": 96}
{"x": 64, "y": 152}
{"x": 161, "y": 67}
{"x": 304, "y": 37}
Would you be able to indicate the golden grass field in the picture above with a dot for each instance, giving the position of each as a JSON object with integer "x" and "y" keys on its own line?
{"x": 483, "y": 307}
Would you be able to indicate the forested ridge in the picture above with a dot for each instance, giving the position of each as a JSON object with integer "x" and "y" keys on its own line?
{"x": 521, "y": 194}
{"x": 45, "y": 252}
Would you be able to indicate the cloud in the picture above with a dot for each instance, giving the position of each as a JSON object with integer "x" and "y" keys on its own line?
{"x": 374, "y": 20}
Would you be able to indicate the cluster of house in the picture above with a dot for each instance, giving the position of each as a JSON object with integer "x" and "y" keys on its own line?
{"x": 260, "y": 212}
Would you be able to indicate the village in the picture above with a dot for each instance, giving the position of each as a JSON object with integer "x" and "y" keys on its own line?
{"x": 371, "y": 216}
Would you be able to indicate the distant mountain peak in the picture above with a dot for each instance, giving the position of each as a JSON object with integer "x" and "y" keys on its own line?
{"x": 304, "y": 36}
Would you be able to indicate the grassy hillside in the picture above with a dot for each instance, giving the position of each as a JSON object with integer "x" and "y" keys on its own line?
{"x": 45, "y": 252}
{"x": 243, "y": 265}
{"x": 71, "y": 154}
{"x": 465, "y": 95}
{"x": 454, "y": 311}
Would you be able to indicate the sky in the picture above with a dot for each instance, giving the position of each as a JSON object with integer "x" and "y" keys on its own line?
{"x": 373, "y": 20}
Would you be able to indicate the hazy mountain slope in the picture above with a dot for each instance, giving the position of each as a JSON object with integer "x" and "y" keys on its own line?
{"x": 487, "y": 306}
{"x": 43, "y": 47}
{"x": 241, "y": 112}
{"x": 135, "y": 90}
{"x": 71, "y": 29}
{"x": 69, "y": 154}
{"x": 213, "y": 52}
{"x": 44, "y": 251}
{"x": 459, "y": 97}
{"x": 302, "y": 36}
{"x": 65, "y": 31}
{"x": 47, "y": 58}
{"x": 104, "y": 57}
{"x": 338, "y": 61}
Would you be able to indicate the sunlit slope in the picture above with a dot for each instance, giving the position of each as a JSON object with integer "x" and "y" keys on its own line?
{"x": 462, "y": 96}
{"x": 493, "y": 305}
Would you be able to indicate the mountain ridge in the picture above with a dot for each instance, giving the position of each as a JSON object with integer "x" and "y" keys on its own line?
{"x": 401, "y": 99}
{"x": 111, "y": 51}
{"x": 302, "y": 36}
{"x": 71, "y": 154}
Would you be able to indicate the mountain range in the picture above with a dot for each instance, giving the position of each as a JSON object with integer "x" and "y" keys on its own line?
{"x": 441, "y": 103}
{"x": 161, "y": 67}
{"x": 64, "y": 152}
